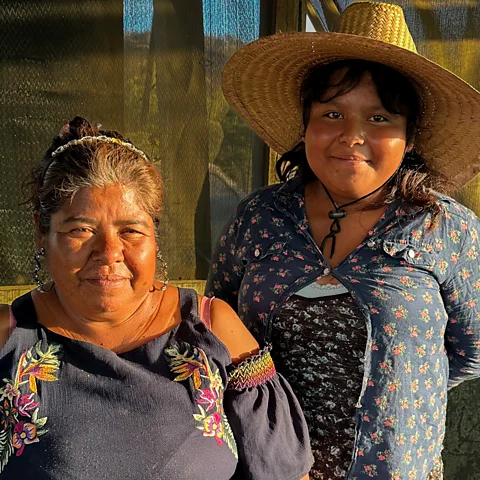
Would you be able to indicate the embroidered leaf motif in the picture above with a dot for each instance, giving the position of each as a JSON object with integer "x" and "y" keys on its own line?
{"x": 41, "y": 368}
{"x": 32, "y": 384}
{"x": 229, "y": 438}
{"x": 199, "y": 417}
{"x": 39, "y": 422}
{"x": 197, "y": 379}
{"x": 6, "y": 447}
{"x": 184, "y": 366}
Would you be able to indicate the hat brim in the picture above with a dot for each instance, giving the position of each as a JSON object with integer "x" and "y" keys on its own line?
{"x": 262, "y": 83}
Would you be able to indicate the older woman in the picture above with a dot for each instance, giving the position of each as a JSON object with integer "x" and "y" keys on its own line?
{"x": 109, "y": 373}
{"x": 358, "y": 268}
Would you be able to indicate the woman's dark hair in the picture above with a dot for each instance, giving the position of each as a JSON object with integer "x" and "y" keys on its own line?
{"x": 91, "y": 164}
{"x": 414, "y": 181}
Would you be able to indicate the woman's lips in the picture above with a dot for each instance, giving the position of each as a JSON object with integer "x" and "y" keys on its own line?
{"x": 112, "y": 281}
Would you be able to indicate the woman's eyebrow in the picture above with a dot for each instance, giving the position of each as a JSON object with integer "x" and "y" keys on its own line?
{"x": 75, "y": 218}
{"x": 80, "y": 219}
{"x": 133, "y": 221}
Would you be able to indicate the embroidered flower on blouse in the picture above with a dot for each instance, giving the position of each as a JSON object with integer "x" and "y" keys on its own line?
{"x": 19, "y": 422}
{"x": 24, "y": 434}
{"x": 193, "y": 363}
{"x": 213, "y": 427}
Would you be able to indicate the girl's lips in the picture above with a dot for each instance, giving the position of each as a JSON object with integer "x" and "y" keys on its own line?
{"x": 350, "y": 158}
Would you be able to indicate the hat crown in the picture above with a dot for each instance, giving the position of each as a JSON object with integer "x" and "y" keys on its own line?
{"x": 379, "y": 21}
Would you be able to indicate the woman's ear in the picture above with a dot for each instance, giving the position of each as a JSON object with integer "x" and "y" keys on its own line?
{"x": 40, "y": 237}
{"x": 409, "y": 148}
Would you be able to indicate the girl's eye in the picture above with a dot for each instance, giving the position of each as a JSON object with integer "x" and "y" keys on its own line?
{"x": 379, "y": 118}
{"x": 333, "y": 115}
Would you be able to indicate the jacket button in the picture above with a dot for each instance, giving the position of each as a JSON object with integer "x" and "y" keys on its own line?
{"x": 256, "y": 252}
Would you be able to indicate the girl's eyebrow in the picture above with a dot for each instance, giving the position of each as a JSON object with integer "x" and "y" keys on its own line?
{"x": 335, "y": 103}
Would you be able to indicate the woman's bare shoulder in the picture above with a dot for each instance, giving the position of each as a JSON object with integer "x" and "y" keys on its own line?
{"x": 230, "y": 330}
{"x": 4, "y": 323}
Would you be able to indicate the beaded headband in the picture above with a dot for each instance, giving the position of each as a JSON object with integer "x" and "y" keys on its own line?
{"x": 100, "y": 138}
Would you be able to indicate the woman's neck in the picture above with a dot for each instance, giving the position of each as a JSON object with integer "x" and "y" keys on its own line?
{"x": 111, "y": 332}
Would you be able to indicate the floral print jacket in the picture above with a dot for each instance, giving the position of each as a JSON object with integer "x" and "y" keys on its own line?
{"x": 419, "y": 291}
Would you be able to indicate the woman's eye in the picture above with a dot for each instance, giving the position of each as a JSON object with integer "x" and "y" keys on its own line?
{"x": 379, "y": 118}
{"x": 131, "y": 232}
{"x": 81, "y": 232}
{"x": 333, "y": 115}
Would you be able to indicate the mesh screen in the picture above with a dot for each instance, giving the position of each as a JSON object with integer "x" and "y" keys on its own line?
{"x": 149, "y": 68}
{"x": 57, "y": 59}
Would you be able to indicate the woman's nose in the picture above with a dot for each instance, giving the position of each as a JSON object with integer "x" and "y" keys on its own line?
{"x": 108, "y": 249}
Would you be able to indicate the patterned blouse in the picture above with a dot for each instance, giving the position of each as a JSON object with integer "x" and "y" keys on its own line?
{"x": 170, "y": 409}
{"x": 417, "y": 289}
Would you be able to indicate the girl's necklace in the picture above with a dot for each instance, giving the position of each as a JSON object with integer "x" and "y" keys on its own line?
{"x": 338, "y": 213}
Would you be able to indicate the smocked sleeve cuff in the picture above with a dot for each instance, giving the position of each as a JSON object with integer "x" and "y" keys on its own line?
{"x": 267, "y": 422}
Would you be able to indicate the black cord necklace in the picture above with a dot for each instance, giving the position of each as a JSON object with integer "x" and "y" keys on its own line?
{"x": 339, "y": 213}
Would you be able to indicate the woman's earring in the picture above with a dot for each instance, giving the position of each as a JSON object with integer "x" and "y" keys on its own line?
{"x": 36, "y": 271}
{"x": 162, "y": 270}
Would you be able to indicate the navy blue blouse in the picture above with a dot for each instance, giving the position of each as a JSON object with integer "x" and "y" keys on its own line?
{"x": 70, "y": 409}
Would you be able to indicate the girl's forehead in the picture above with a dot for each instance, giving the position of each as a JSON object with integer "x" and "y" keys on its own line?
{"x": 365, "y": 91}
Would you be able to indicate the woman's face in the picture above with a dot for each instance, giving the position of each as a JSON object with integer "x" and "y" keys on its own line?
{"x": 101, "y": 252}
{"x": 353, "y": 144}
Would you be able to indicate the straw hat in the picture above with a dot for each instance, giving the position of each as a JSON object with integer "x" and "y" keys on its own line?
{"x": 262, "y": 83}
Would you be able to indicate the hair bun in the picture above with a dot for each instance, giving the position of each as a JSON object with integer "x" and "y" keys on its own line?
{"x": 80, "y": 127}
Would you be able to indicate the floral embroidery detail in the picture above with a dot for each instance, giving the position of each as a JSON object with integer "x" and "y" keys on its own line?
{"x": 19, "y": 411}
{"x": 212, "y": 421}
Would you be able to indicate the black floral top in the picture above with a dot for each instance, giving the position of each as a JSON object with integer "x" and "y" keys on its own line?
{"x": 320, "y": 344}
{"x": 163, "y": 411}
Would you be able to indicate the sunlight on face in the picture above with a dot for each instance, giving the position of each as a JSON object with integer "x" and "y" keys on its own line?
{"x": 353, "y": 144}
{"x": 101, "y": 251}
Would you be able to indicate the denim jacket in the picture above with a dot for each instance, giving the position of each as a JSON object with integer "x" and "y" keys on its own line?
{"x": 418, "y": 289}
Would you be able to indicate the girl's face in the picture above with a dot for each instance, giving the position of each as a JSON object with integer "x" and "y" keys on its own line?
{"x": 353, "y": 144}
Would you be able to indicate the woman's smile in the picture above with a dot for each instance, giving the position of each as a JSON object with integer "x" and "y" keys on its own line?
{"x": 107, "y": 282}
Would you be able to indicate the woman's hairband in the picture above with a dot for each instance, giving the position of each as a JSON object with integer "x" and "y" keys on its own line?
{"x": 100, "y": 138}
